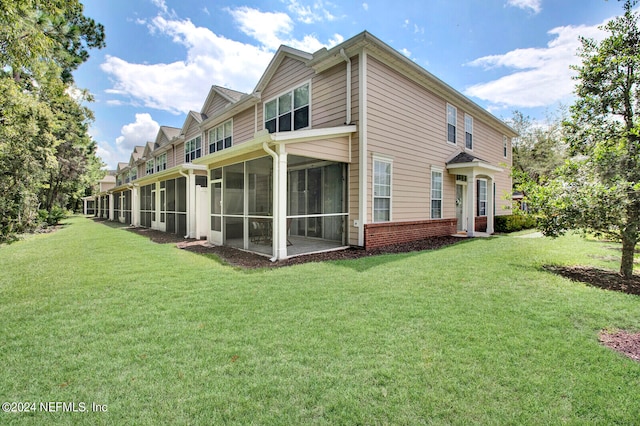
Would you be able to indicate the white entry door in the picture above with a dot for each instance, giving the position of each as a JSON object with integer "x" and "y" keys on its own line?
{"x": 215, "y": 235}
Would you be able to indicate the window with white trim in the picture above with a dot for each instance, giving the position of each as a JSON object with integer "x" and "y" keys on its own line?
{"x": 482, "y": 197}
{"x": 452, "y": 117}
{"x": 150, "y": 166}
{"x": 436, "y": 194}
{"x": 289, "y": 111}
{"x": 161, "y": 162}
{"x": 221, "y": 137}
{"x": 192, "y": 149}
{"x": 468, "y": 131}
{"x": 133, "y": 174}
{"x": 381, "y": 190}
{"x": 504, "y": 146}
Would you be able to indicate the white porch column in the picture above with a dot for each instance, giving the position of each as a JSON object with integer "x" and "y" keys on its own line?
{"x": 191, "y": 206}
{"x": 98, "y": 204}
{"x": 490, "y": 204}
{"x": 471, "y": 202}
{"x": 111, "y": 212}
{"x": 280, "y": 221}
{"x": 135, "y": 205}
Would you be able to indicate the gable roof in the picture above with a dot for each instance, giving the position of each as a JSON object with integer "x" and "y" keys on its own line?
{"x": 168, "y": 132}
{"x": 282, "y": 53}
{"x": 464, "y": 157}
{"x": 192, "y": 116}
{"x": 122, "y": 166}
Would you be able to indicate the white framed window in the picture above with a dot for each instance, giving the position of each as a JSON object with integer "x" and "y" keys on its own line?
{"x": 193, "y": 149}
{"x": 504, "y": 146}
{"x": 150, "y": 166}
{"x": 118, "y": 180}
{"x": 221, "y": 137}
{"x": 289, "y": 111}
{"x": 482, "y": 197}
{"x": 161, "y": 162}
{"x": 381, "y": 189}
{"x": 468, "y": 131}
{"x": 452, "y": 118}
{"x": 133, "y": 174}
{"x": 436, "y": 194}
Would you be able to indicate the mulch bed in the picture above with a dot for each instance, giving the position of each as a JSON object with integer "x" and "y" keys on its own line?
{"x": 624, "y": 342}
{"x": 248, "y": 260}
{"x": 601, "y": 278}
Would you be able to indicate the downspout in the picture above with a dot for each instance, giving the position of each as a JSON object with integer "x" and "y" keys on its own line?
{"x": 276, "y": 198}
{"x": 186, "y": 176}
{"x": 348, "y": 61}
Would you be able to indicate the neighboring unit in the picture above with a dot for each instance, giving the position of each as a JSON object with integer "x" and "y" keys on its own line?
{"x": 352, "y": 146}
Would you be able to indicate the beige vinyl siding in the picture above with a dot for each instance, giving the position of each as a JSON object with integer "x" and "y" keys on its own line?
{"x": 218, "y": 103}
{"x": 178, "y": 154}
{"x": 328, "y": 97}
{"x": 408, "y": 123}
{"x": 192, "y": 131}
{"x": 335, "y": 149}
{"x": 142, "y": 171}
{"x": 291, "y": 73}
{"x": 243, "y": 126}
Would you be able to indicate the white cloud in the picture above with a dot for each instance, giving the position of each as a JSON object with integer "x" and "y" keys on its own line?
{"x": 542, "y": 75}
{"x": 143, "y": 130}
{"x": 365, "y": 6}
{"x": 534, "y": 5}
{"x": 210, "y": 59}
{"x": 307, "y": 14}
{"x": 406, "y": 52}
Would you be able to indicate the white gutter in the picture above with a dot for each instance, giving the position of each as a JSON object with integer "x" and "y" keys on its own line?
{"x": 276, "y": 195}
{"x": 348, "y": 61}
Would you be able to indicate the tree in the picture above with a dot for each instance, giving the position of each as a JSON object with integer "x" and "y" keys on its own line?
{"x": 598, "y": 190}
{"x": 46, "y": 154}
{"x": 538, "y": 150}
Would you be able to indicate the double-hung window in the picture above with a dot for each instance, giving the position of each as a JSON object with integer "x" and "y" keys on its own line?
{"x": 482, "y": 197}
{"x": 221, "y": 137}
{"x": 133, "y": 174}
{"x": 150, "y": 166}
{"x": 436, "y": 194}
{"x": 468, "y": 131}
{"x": 289, "y": 111}
{"x": 452, "y": 117}
{"x": 381, "y": 190}
{"x": 161, "y": 162}
{"x": 504, "y": 146}
{"x": 192, "y": 149}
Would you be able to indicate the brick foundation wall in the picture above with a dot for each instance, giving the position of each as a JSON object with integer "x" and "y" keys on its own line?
{"x": 387, "y": 233}
{"x": 481, "y": 224}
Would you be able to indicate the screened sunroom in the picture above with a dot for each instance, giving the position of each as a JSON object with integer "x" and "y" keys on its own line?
{"x": 242, "y": 205}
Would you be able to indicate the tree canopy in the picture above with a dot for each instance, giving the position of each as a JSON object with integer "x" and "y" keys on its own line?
{"x": 598, "y": 190}
{"x": 46, "y": 154}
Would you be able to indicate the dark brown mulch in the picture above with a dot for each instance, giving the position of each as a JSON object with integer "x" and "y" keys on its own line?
{"x": 248, "y": 260}
{"x": 601, "y": 278}
{"x": 622, "y": 341}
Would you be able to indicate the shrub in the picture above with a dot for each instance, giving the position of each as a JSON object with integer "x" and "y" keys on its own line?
{"x": 514, "y": 222}
{"x": 53, "y": 217}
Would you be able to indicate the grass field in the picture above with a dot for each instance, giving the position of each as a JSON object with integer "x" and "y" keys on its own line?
{"x": 475, "y": 333}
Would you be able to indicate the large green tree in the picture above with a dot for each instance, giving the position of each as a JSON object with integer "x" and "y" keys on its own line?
{"x": 598, "y": 190}
{"x": 46, "y": 154}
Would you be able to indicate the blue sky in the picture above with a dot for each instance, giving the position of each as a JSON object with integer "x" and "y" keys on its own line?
{"x": 162, "y": 56}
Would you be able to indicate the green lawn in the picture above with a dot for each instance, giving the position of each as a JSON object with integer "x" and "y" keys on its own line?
{"x": 476, "y": 333}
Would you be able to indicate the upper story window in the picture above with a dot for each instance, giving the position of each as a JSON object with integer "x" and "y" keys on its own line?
{"x": 468, "y": 131}
{"x": 133, "y": 174}
{"x": 118, "y": 180}
{"x": 504, "y": 146}
{"x": 452, "y": 117}
{"x": 149, "y": 166}
{"x": 127, "y": 177}
{"x": 289, "y": 111}
{"x": 221, "y": 137}
{"x": 381, "y": 190}
{"x": 161, "y": 162}
{"x": 193, "y": 149}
